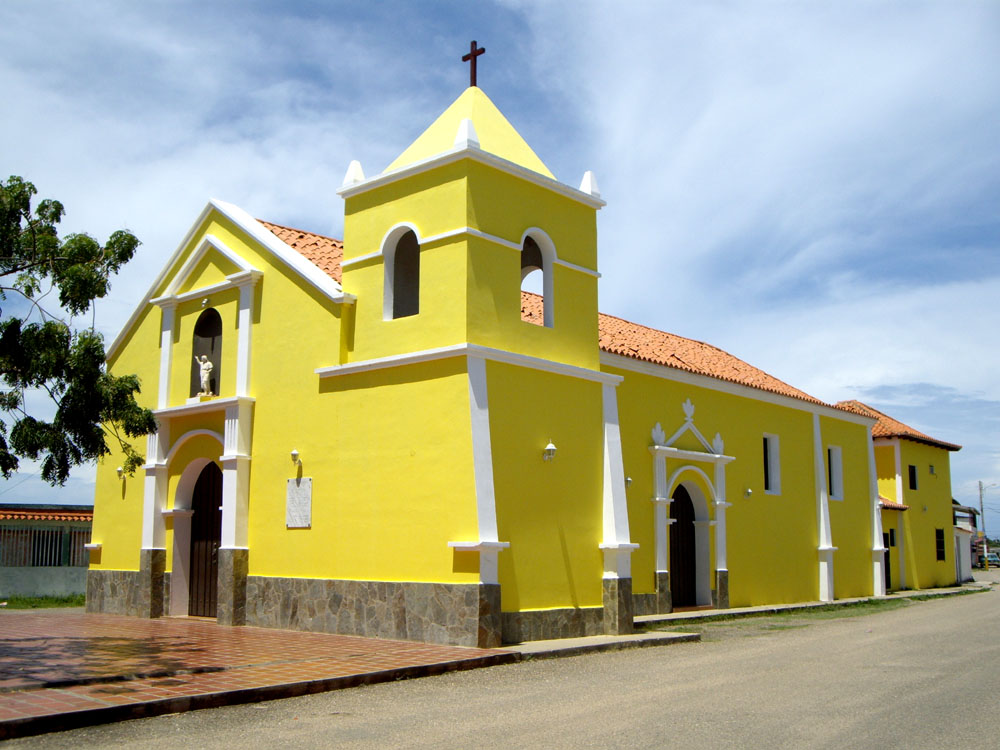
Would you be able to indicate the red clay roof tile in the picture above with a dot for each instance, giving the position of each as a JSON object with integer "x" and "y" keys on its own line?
{"x": 887, "y": 427}
{"x": 890, "y": 505}
{"x": 324, "y": 252}
{"x": 8, "y": 514}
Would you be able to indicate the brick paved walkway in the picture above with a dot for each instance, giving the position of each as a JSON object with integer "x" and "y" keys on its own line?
{"x": 63, "y": 669}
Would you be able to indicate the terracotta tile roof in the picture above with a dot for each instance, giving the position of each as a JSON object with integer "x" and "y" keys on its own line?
{"x": 325, "y": 252}
{"x": 890, "y": 505}
{"x": 887, "y": 427}
{"x": 617, "y": 336}
{"x": 640, "y": 342}
{"x": 8, "y": 514}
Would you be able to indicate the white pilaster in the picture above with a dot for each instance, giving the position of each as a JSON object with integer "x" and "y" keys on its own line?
{"x": 660, "y": 513}
{"x": 236, "y": 476}
{"x": 825, "y": 547}
{"x": 167, "y": 313}
{"x": 244, "y": 331}
{"x": 154, "y": 498}
{"x": 616, "y": 545}
{"x": 488, "y": 545}
{"x": 720, "y": 508}
{"x": 878, "y": 545}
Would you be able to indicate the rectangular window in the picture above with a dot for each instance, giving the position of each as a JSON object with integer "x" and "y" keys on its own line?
{"x": 772, "y": 465}
{"x": 913, "y": 477}
{"x": 834, "y": 473}
{"x": 939, "y": 542}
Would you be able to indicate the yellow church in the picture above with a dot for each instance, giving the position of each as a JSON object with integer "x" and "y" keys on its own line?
{"x": 390, "y": 436}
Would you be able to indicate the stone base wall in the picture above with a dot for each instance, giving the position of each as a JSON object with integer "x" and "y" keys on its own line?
{"x": 232, "y": 590}
{"x": 644, "y": 604}
{"x": 546, "y": 624}
{"x": 139, "y": 593}
{"x": 618, "y": 612}
{"x": 720, "y": 594}
{"x": 458, "y": 614}
{"x": 114, "y": 592}
{"x": 660, "y": 602}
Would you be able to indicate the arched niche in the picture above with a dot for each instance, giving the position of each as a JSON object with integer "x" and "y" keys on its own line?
{"x": 206, "y": 342}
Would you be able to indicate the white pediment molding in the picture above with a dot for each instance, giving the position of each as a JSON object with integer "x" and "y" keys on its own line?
{"x": 246, "y": 274}
{"x": 209, "y": 243}
{"x": 714, "y": 452}
{"x": 297, "y": 262}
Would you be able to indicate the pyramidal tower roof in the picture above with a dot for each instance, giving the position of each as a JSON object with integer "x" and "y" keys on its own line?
{"x": 495, "y": 134}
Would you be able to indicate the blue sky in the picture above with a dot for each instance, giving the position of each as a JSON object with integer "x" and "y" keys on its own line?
{"x": 812, "y": 187}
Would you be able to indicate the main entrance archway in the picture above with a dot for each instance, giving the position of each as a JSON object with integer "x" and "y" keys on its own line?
{"x": 683, "y": 560}
{"x": 206, "y": 535}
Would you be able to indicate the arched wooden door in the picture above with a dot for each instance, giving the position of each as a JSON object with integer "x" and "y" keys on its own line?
{"x": 206, "y": 535}
{"x": 682, "y": 550}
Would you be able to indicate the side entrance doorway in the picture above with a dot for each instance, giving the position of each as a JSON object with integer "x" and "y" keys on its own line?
{"x": 206, "y": 536}
{"x": 887, "y": 566}
{"x": 682, "y": 550}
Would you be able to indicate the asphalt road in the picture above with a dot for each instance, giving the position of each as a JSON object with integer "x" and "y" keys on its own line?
{"x": 922, "y": 676}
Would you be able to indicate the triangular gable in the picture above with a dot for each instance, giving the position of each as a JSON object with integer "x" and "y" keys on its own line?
{"x": 209, "y": 245}
{"x": 254, "y": 229}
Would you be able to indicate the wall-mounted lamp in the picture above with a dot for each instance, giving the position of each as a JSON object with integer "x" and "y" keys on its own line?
{"x": 550, "y": 452}
{"x": 120, "y": 471}
{"x": 204, "y": 302}
{"x": 748, "y": 492}
{"x": 628, "y": 481}
{"x": 295, "y": 458}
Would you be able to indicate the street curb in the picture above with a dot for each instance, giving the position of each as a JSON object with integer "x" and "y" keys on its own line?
{"x": 628, "y": 642}
{"x": 652, "y": 621}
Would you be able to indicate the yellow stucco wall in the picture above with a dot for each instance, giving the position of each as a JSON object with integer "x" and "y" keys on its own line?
{"x": 930, "y": 509}
{"x": 549, "y": 511}
{"x": 118, "y": 502}
{"x": 389, "y": 454}
{"x": 771, "y": 537}
{"x": 851, "y": 517}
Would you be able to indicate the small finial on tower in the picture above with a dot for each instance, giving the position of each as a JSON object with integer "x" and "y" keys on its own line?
{"x": 466, "y": 136}
{"x": 474, "y": 52}
{"x": 589, "y": 184}
{"x": 354, "y": 175}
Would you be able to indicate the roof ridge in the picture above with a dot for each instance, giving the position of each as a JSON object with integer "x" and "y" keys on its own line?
{"x": 890, "y": 426}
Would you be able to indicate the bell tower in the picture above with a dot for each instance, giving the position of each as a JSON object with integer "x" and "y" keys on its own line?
{"x": 436, "y": 247}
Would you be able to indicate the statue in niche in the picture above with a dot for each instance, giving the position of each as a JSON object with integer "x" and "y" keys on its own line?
{"x": 205, "y": 366}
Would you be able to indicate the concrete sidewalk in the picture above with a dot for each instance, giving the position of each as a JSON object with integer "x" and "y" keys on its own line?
{"x": 62, "y": 669}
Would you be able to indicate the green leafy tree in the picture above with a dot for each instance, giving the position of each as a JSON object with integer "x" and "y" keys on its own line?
{"x": 41, "y": 351}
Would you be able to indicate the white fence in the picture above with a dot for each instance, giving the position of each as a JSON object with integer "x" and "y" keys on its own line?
{"x": 43, "y": 546}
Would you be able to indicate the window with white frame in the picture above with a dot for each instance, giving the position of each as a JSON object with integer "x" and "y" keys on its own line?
{"x": 537, "y": 257}
{"x": 834, "y": 473}
{"x": 402, "y": 276}
{"x": 772, "y": 465}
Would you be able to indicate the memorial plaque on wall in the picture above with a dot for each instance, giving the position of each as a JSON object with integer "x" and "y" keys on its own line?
{"x": 298, "y": 503}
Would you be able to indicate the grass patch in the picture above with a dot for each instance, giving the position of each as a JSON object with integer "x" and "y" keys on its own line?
{"x": 45, "y": 602}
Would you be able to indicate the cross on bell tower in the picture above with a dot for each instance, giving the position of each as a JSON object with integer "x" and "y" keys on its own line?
{"x": 474, "y": 52}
